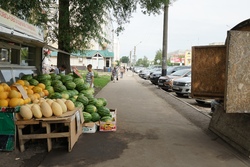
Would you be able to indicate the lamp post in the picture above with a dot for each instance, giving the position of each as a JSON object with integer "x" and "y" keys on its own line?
{"x": 135, "y": 52}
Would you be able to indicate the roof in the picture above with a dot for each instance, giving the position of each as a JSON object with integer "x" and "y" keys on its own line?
{"x": 90, "y": 53}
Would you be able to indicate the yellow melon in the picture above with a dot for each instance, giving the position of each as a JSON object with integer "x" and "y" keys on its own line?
{"x": 4, "y": 103}
{"x": 56, "y": 109}
{"x": 37, "y": 89}
{"x": 62, "y": 104}
{"x": 30, "y": 91}
{"x": 46, "y": 92}
{"x": 26, "y": 112}
{"x": 4, "y": 95}
{"x": 26, "y": 83}
{"x": 14, "y": 102}
{"x": 41, "y": 85}
{"x": 36, "y": 110}
{"x": 14, "y": 93}
{"x": 27, "y": 100}
{"x": 21, "y": 82}
{"x": 1, "y": 88}
{"x": 46, "y": 109}
{"x": 70, "y": 105}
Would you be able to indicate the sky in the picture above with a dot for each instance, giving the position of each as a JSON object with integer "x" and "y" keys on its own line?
{"x": 190, "y": 23}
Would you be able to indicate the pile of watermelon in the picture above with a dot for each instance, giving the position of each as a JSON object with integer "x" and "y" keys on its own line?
{"x": 74, "y": 88}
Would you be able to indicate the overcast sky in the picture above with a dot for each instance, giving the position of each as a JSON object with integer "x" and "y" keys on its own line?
{"x": 191, "y": 23}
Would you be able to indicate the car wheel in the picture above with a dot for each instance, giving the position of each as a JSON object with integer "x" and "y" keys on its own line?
{"x": 200, "y": 102}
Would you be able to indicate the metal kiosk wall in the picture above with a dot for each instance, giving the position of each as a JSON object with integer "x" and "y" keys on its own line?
{"x": 223, "y": 72}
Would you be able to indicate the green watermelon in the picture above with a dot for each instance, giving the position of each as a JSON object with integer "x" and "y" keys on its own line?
{"x": 82, "y": 99}
{"x": 55, "y": 76}
{"x": 90, "y": 108}
{"x": 50, "y": 89}
{"x": 87, "y": 116}
{"x": 79, "y": 104}
{"x": 66, "y": 78}
{"x": 55, "y": 95}
{"x": 78, "y": 81}
{"x": 33, "y": 82}
{"x": 70, "y": 85}
{"x": 59, "y": 88}
{"x": 103, "y": 100}
{"x": 92, "y": 101}
{"x": 65, "y": 94}
{"x": 99, "y": 103}
{"x": 103, "y": 111}
{"x": 27, "y": 77}
{"x": 56, "y": 82}
{"x": 106, "y": 118}
{"x": 46, "y": 82}
{"x": 95, "y": 117}
{"x": 72, "y": 99}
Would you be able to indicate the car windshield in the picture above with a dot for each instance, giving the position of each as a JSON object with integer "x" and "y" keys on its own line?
{"x": 169, "y": 70}
{"x": 180, "y": 72}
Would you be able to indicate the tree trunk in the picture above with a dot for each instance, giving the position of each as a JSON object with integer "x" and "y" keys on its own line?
{"x": 64, "y": 37}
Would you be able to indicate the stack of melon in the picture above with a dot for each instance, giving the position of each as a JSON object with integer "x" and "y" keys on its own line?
{"x": 45, "y": 108}
{"x": 10, "y": 96}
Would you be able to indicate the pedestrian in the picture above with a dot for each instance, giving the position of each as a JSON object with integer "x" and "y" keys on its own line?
{"x": 114, "y": 75}
{"x": 122, "y": 71}
{"x": 60, "y": 69}
{"x": 90, "y": 76}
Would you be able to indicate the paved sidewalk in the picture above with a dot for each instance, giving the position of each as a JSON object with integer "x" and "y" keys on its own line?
{"x": 154, "y": 129}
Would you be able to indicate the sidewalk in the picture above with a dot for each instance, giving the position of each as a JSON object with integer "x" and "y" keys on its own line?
{"x": 154, "y": 129}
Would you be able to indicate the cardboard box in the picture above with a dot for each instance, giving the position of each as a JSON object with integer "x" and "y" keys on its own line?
{"x": 89, "y": 127}
{"x": 109, "y": 126}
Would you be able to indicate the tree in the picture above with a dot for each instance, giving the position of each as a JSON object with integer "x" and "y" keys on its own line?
{"x": 158, "y": 56}
{"x": 142, "y": 62}
{"x": 80, "y": 21}
{"x": 124, "y": 59}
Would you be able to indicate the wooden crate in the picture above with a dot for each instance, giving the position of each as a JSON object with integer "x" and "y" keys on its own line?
{"x": 52, "y": 126}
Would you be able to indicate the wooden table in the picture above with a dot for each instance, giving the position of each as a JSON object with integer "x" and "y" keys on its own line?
{"x": 72, "y": 120}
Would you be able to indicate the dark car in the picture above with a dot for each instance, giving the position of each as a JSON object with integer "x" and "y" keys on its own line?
{"x": 166, "y": 82}
{"x": 170, "y": 69}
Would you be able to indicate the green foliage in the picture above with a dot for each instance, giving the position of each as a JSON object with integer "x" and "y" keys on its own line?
{"x": 158, "y": 56}
{"x": 102, "y": 81}
{"x": 124, "y": 59}
{"x": 143, "y": 62}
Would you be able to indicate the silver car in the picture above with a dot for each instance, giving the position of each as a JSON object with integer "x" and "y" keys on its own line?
{"x": 182, "y": 86}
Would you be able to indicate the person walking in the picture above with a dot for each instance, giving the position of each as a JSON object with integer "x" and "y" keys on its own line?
{"x": 114, "y": 76}
{"x": 90, "y": 76}
{"x": 122, "y": 71}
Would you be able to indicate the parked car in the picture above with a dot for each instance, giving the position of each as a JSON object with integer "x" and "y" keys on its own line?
{"x": 166, "y": 82}
{"x": 170, "y": 69}
{"x": 182, "y": 86}
{"x": 146, "y": 72}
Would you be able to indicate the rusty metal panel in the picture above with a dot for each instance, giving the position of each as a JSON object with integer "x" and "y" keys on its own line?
{"x": 208, "y": 71}
{"x": 237, "y": 94}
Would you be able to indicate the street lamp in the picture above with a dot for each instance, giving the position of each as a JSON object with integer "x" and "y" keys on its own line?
{"x": 135, "y": 51}
{"x": 130, "y": 55}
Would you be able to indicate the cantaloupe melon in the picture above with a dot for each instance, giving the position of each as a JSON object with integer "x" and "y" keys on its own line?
{"x": 56, "y": 109}
{"x": 62, "y": 104}
{"x": 70, "y": 105}
{"x": 36, "y": 110}
{"x": 26, "y": 112}
{"x": 46, "y": 109}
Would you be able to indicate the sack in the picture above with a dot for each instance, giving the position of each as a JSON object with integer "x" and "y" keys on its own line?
{"x": 111, "y": 78}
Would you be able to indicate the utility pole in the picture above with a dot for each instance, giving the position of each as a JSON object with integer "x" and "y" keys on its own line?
{"x": 135, "y": 52}
{"x": 165, "y": 40}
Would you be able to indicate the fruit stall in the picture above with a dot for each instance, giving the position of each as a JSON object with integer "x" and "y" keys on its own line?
{"x": 41, "y": 106}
